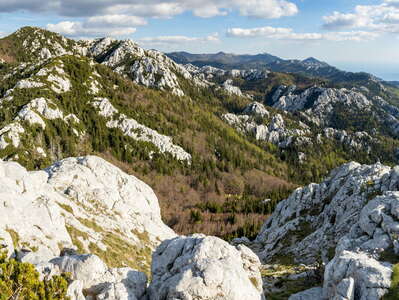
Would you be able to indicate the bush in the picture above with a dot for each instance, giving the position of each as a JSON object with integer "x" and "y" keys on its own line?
{"x": 20, "y": 281}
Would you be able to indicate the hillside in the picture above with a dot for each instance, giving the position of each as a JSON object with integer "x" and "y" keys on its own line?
{"x": 110, "y": 153}
{"x": 173, "y": 136}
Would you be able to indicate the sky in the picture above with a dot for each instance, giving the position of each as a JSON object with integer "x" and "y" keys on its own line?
{"x": 354, "y": 35}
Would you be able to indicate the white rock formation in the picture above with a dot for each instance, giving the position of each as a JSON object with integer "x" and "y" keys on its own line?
{"x": 316, "y": 103}
{"x": 276, "y": 131}
{"x": 358, "y": 140}
{"x": 353, "y": 214}
{"x": 10, "y": 134}
{"x": 200, "y": 267}
{"x": 77, "y": 202}
{"x": 139, "y": 132}
{"x": 350, "y": 274}
{"x": 100, "y": 282}
{"x": 257, "y": 109}
{"x": 231, "y": 89}
{"x": 147, "y": 67}
{"x": 314, "y": 218}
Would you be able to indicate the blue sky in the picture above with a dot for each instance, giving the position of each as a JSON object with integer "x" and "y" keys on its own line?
{"x": 354, "y": 35}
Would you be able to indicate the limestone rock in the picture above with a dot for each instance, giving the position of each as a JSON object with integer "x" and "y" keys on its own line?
{"x": 77, "y": 202}
{"x": 350, "y": 274}
{"x": 350, "y": 220}
{"x": 146, "y": 67}
{"x": 276, "y": 131}
{"x": 231, "y": 89}
{"x": 200, "y": 267}
{"x": 137, "y": 131}
{"x": 314, "y": 218}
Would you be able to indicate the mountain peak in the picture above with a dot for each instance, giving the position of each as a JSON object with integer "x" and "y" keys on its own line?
{"x": 314, "y": 62}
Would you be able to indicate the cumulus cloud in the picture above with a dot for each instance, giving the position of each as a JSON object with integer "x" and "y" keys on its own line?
{"x": 178, "y": 39}
{"x": 155, "y": 8}
{"x": 81, "y": 29}
{"x": 280, "y": 33}
{"x": 266, "y": 9}
{"x": 115, "y": 21}
{"x": 381, "y": 18}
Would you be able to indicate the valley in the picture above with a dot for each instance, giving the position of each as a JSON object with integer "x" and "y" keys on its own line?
{"x": 282, "y": 169}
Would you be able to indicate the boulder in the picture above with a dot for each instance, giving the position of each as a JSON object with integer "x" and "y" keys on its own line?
{"x": 350, "y": 274}
{"x": 100, "y": 282}
{"x": 201, "y": 267}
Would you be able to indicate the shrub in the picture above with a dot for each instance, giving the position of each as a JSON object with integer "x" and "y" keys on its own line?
{"x": 20, "y": 281}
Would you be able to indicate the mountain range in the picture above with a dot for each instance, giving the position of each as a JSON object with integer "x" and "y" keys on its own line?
{"x": 111, "y": 154}
{"x": 309, "y": 67}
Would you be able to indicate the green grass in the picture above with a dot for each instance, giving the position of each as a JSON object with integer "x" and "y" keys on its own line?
{"x": 66, "y": 207}
{"x": 393, "y": 293}
{"x": 14, "y": 236}
{"x": 120, "y": 253}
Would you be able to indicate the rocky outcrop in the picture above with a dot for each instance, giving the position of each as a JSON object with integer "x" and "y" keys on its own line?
{"x": 200, "y": 267}
{"x": 137, "y": 131}
{"x": 98, "y": 281}
{"x": 360, "y": 140}
{"x": 88, "y": 205}
{"x": 314, "y": 218}
{"x": 146, "y": 67}
{"x": 231, "y": 89}
{"x": 83, "y": 203}
{"x": 318, "y": 104}
{"x": 273, "y": 129}
{"x": 351, "y": 221}
{"x": 42, "y": 44}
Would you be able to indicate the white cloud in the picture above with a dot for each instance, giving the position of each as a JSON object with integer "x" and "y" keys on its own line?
{"x": 381, "y": 18}
{"x": 178, "y": 39}
{"x": 155, "y": 8}
{"x": 149, "y": 10}
{"x": 116, "y": 21}
{"x": 270, "y": 9}
{"x": 288, "y": 34}
{"x": 79, "y": 29}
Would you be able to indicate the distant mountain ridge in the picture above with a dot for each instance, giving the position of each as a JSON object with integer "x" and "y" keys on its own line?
{"x": 309, "y": 66}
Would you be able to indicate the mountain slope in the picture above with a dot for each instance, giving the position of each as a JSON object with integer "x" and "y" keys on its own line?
{"x": 186, "y": 146}
{"x": 309, "y": 67}
{"x": 70, "y": 105}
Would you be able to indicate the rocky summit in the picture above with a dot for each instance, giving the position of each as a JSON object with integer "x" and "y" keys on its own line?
{"x": 129, "y": 174}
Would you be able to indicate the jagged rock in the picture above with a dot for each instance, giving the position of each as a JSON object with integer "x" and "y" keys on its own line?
{"x": 11, "y": 133}
{"x": 357, "y": 140}
{"x": 231, "y": 89}
{"x": 147, "y": 67}
{"x": 200, "y": 267}
{"x": 101, "y": 282}
{"x": 314, "y": 218}
{"x": 137, "y": 131}
{"x": 77, "y": 202}
{"x": 256, "y": 108}
{"x": 353, "y": 214}
{"x": 350, "y": 274}
{"x": 318, "y": 104}
{"x": 275, "y": 132}
{"x": 75, "y": 289}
